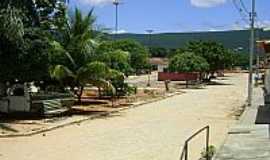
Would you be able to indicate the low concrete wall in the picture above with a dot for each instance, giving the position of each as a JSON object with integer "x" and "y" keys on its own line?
{"x": 267, "y": 87}
{"x": 163, "y": 76}
{"x": 4, "y": 105}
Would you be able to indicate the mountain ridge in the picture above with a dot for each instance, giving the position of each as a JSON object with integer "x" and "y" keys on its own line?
{"x": 234, "y": 39}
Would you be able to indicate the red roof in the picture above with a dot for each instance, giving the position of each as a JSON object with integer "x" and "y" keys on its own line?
{"x": 158, "y": 61}
{"x": 265, "y": 44}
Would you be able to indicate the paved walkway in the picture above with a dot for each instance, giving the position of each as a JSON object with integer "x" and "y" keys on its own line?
{"x": 247, "y": 141}
{"x": 154, "y": 131}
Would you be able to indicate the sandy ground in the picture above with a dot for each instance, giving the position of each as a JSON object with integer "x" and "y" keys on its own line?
{"x": 154, "y": 131}
{"x": 141, "y": 81}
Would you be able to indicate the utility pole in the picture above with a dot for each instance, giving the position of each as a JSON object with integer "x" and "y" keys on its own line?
{"x": 116, "y": 3}
{"x": 251, "y": 54}
{"x": 257, "y": 49}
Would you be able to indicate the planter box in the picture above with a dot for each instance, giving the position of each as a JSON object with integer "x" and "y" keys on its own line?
{"x": 163, "y": 76}
{"x": 52, "y": 106}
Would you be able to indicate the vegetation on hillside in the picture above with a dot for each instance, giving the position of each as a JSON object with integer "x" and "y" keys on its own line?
{"x": 230, "y": 39}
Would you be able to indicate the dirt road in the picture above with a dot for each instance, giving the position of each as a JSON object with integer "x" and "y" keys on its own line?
{"x": 151, "y": 132}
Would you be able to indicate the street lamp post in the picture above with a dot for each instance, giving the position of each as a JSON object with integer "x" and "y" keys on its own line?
{"x": 116, "y": 3}
{"x": 149, "y": 31}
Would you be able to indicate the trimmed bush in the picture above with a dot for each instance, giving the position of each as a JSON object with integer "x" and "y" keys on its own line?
{"x": 188, "y": 62}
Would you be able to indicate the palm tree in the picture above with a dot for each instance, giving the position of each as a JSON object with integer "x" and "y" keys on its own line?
{"x": 78, "y": 46}
{"x": 11, "y": 25}
{"x": 95, "y": 73}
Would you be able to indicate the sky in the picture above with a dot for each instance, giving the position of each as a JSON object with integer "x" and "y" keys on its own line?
{"x": 137, "y": 16}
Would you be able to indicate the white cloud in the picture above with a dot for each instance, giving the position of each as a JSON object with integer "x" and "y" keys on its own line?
{"x": 121, "y": 31}
{"x": 214, "y": 30}
{"x": 263, "y": 24}
{"x": 95, "y": 2}
{"x": 237, "y": 26}
{"x": 207, "y": 3}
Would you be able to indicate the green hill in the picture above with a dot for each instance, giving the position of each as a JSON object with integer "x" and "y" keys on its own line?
{"x": 230, "y": 39}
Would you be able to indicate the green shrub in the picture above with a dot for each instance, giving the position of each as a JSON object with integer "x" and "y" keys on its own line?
{"x": 188, "y": 62}
{"x": 211, "y": 152}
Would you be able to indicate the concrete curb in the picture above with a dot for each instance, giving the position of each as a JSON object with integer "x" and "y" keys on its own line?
{"x": 239, "y": 121}
{"x": 32, "y": 133}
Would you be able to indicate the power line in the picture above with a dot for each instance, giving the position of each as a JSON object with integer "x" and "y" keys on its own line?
{"x": 240, "y": 11}
{"x": 244, "y": 6}
{"x": 259, "y": 22}
{"x": 244, "y": 16}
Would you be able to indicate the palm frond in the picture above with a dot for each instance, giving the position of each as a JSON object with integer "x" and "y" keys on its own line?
{"x": 60, "y": 72}
{"x": 115, "y": 74}
{"x": 83, "y": 24}
{"x": 93, "y": 71}
{"x": 58, "y": 48}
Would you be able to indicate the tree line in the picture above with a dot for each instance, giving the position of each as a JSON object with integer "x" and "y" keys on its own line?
{"x": 201, "y": 56}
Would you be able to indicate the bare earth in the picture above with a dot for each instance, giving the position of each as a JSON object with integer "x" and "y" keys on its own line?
{"x": 154, "y": 131}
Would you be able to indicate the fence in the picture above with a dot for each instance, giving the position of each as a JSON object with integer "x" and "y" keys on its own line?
{"x": 163, "y": 76}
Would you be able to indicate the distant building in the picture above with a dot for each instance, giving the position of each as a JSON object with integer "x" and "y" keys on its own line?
{"x": 159, "y": 63}
{"x": 265, "y": 45}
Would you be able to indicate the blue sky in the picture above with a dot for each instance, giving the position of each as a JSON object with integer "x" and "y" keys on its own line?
{"x": 136, "y": 16}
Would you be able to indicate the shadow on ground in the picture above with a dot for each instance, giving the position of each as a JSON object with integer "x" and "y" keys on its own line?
{"x": 223, "y": 79}
{"x": 214, "y": 83}
{"x": 19, "y": 118}
{"x": 7, "y": 128}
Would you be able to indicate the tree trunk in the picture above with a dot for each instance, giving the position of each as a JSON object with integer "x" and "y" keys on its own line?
{"x": 201, "y": 76}
{"x": 99, "y": 92}
{"x": 3, "y": 89}
{"x": 167, "y": 85}
{"x": 79, "y": 94}
{"x": 212, "y": 75}
{"x": 206, "y": 77}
